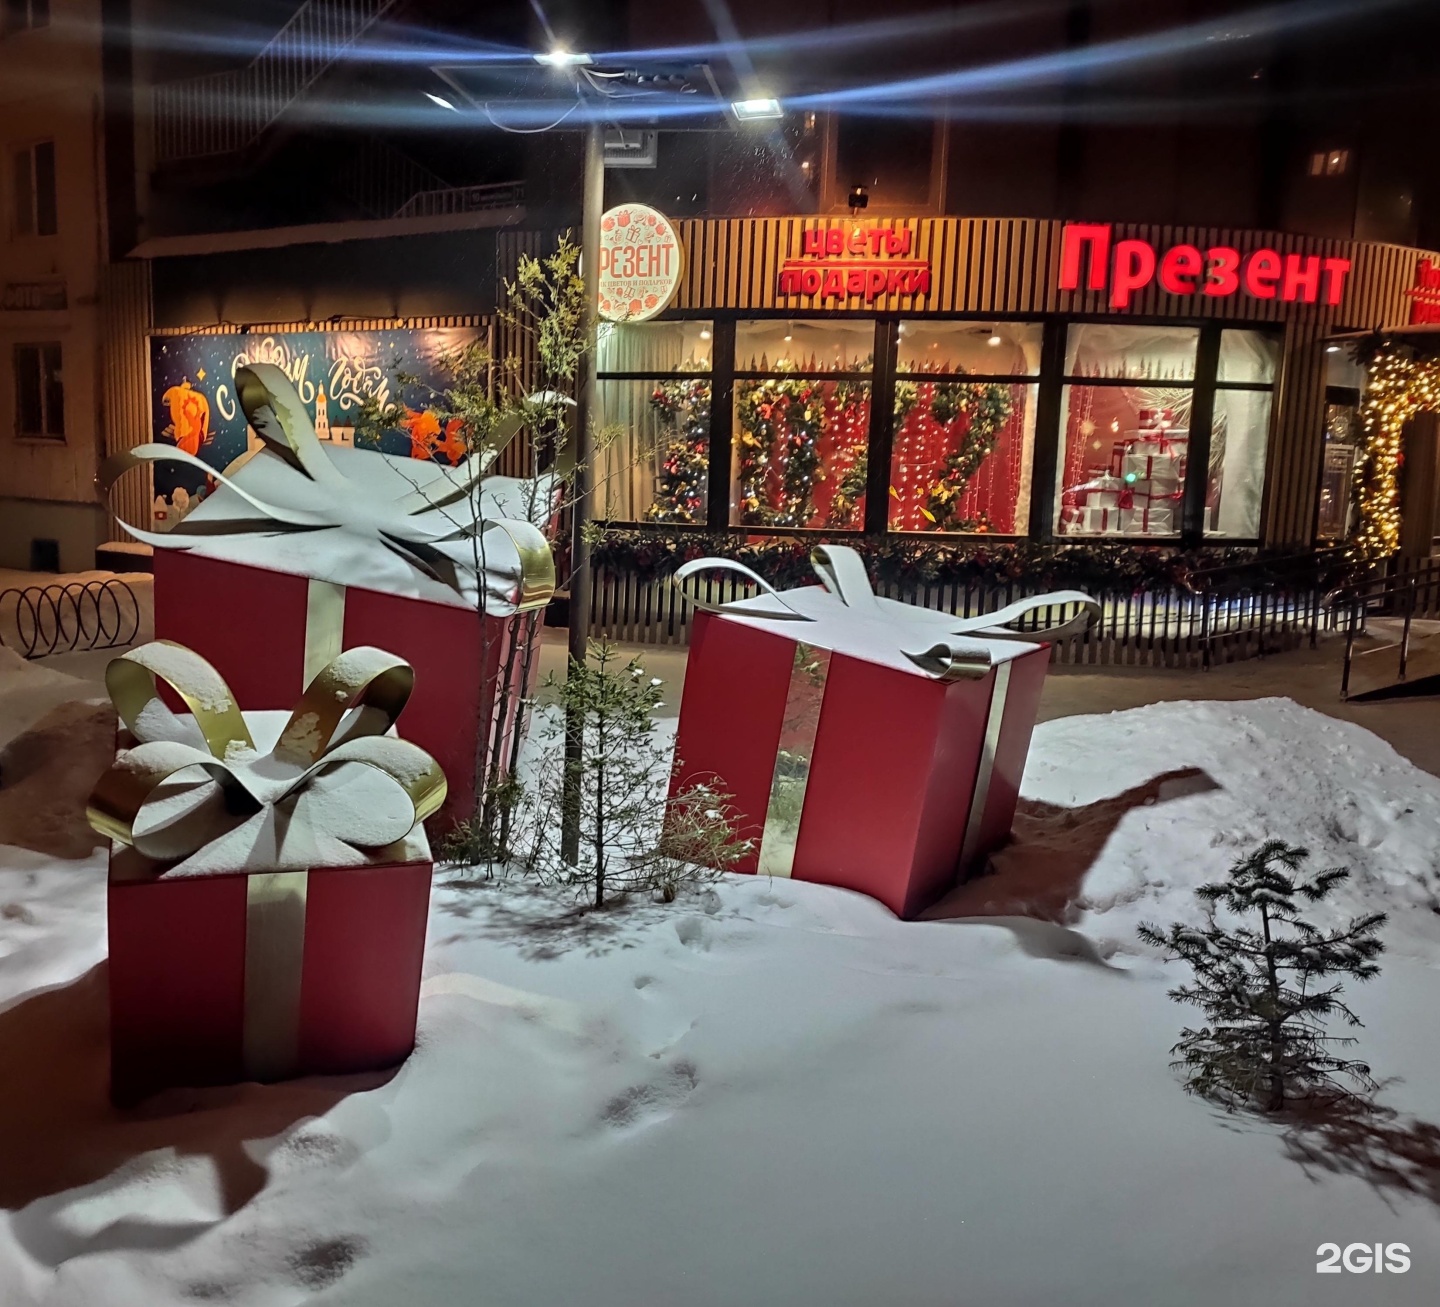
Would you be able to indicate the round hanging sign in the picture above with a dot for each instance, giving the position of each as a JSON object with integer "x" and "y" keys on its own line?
{"x": 640, "y": 263}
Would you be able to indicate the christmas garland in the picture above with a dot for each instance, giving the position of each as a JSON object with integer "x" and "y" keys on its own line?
{"x": 683, "y": 479}
{"x": 988, "y": 409}
{"x": 785, "y": 561}
{"x": 784, "y": 418}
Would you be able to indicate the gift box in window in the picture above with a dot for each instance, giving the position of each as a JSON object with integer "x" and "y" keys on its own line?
{"x": 1146, "y": 513}
{"x": 269, "y": 878}
{"x": 305, "y": 549}
{"x": 865, "y": 743}
{"x": 1093, "y": 507}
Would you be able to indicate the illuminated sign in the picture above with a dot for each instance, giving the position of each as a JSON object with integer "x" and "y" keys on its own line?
{"x": 1217, "y": 272}
{"x": 1424, "y": 297}
{"x": 639, "y": 263}
{"x": 861, "y": 263}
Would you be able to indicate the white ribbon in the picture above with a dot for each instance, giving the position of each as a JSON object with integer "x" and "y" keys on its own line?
{"x": 847, "y": 586}
{"x": 434, "y": 526}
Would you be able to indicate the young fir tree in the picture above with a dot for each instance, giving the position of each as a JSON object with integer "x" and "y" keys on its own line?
{"x": 635, "y": 835}
{"x": 1263, "y": 978}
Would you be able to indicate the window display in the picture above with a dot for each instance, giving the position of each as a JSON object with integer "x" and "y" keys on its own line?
{"x": 800, "y": 452}
{"x": 961, "y": 453}
{"x": 1124, "y": 448}
{"x": 652, "y": 460}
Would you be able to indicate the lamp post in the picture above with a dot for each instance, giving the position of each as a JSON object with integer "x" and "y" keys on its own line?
{"x": 593, "y": 204}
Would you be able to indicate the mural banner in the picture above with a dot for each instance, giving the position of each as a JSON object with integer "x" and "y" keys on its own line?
{"x": 194, "y": 406}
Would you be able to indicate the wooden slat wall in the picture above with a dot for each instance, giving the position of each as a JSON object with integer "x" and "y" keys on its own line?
{"x": 125, "y": 320}
{"x": 998, "y": 266}
{"x": 517, "y": 459}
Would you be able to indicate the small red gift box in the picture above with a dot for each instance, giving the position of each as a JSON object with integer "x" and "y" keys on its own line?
{"x": 261, "y": 976}
{"x": 848, "y": 761}
{"x": 261, "y": 625}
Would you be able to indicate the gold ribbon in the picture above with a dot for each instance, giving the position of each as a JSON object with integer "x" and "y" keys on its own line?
{"x": 311, "y": 743}
{"x": 416, "y": 525}
{"x": 842, "y": 574}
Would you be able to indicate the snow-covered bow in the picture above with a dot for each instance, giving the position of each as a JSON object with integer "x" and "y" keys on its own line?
{"x": 321, "y": 736}
{"x": 432, "y": 526}
{"x": 847, "y": 591}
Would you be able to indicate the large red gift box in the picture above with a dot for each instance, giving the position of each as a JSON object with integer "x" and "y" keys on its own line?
{"x": 254, "y": 622}
{"x": 849, "y": 761}
{"x": 224, "y": 978}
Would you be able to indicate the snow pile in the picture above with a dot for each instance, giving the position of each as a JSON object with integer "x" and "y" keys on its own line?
{"x": 1144, "y": 805}
{"x": 770, "y": 1093}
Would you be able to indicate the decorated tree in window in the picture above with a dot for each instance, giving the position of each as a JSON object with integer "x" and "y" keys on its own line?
{"x": 685, "y": 460}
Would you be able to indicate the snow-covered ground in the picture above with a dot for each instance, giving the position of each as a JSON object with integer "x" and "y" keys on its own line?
{"x": 772, "y": 1093}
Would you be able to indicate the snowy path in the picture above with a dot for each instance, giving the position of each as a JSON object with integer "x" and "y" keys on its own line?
{"x": 773, "y": 1093}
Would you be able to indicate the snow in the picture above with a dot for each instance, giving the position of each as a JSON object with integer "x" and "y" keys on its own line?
{"x": 771, "y": 1092}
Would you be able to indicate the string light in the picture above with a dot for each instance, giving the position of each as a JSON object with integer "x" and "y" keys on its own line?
{"x": 1398, "y": 385}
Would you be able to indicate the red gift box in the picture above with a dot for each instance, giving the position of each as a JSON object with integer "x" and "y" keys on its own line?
{"x": 254, "y": 622}
{"x": 224, "y": 978}
{"x": 269, "y": 878}
{"x": 861, "y": 772}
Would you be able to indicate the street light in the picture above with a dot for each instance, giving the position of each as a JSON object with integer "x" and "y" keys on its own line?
{"x": 757, "y": 109}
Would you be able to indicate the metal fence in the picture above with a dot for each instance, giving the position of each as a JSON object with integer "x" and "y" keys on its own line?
{"x": 1166, "y": 627}
{"x": 40, "y": 620}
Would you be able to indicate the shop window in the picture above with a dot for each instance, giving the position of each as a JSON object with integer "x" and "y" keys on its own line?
{"x": 986, "y": 348}
{"x": 1240, "y": 433}
{"x": 1124, "y": 441}
{"x": 652, "y": 458}
{"x": 801, "y": 431}
{"x": 962, "y": 449}
{"x": 39, "y": 393}
{"x": 33, "y": 172}
{"x": 813, "y": 348}
{"x": 1105, "y": 351}
{"x": 1249, "y": 357}
{"x": 22, "y": 14}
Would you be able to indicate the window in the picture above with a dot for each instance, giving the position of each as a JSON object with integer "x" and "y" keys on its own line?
{"x": 1240, "y": 433}
{"x": 802, "y": 423}
{"x": 1125, "y": 429}
{"x": 653, "y": 461}
{"x": 1126, "y": 437}
{"x": 22, "y": 14}
{"x": 961, "y": 453}
{"x": 39, "y": 393}
{"x": 35, "y": 212}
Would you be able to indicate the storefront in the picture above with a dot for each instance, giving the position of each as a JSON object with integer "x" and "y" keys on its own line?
{"x": 991, "y": 378}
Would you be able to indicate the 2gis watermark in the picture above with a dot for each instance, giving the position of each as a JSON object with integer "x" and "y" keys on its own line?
{"x": 1362, "y": 1259}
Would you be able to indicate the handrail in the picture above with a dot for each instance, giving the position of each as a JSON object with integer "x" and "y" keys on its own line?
{"x": 221, "y": 113}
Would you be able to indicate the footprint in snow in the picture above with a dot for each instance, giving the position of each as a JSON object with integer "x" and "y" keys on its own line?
{"x": 318, "y": 1265}
{"x": 641, "y": 1104}
{"x": 694, "y": 933}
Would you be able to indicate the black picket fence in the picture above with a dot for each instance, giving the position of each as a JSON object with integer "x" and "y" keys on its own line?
{"x": 1172, "y": 626}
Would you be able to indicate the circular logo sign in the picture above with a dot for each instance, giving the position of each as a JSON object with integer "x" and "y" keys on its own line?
{"x": 639, "y": 263}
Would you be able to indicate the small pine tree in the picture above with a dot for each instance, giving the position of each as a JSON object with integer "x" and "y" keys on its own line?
{"x": 1261, "y": 982}
{"x": 636, "y": 838}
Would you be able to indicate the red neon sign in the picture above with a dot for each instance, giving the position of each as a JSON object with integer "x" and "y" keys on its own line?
{"x": 1424, "y": 297}
{"x": 864, "y": 263}
{"x": 1128, "y": 266}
